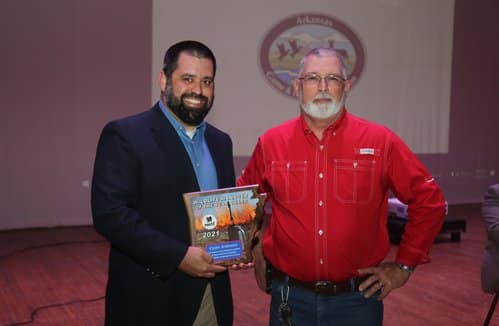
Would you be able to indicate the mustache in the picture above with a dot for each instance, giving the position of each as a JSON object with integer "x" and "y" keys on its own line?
{"x": 195, "y": 96}
{"x": 323, "y": 95}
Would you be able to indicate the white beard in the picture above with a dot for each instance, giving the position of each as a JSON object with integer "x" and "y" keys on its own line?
{"x": 322, "y": 111}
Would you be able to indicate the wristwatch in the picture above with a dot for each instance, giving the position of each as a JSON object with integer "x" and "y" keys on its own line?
{"x": 406, "y": 268}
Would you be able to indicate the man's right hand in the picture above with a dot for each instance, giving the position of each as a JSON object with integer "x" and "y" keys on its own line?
{"x": 198, "y": 263}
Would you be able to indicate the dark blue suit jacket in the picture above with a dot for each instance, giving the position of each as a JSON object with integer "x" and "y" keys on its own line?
{"x": 490, "y": 262}
{"x": 141, "y": 171}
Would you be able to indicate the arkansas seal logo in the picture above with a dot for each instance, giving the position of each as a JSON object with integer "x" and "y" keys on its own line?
{"x": 290, "y": 39}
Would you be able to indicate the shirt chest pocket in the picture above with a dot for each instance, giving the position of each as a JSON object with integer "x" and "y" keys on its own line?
{"x": 354, "y": 180}
{"x": 288, "y": 180}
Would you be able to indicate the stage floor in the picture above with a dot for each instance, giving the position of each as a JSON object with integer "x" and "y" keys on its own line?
{"x": 57, "y": 277}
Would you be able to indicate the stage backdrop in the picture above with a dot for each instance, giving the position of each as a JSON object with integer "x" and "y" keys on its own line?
{"x": 70, "y": 66}
{"x": 399, "y": 53}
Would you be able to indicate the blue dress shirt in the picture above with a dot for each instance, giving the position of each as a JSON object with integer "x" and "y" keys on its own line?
{"x": 198, "y": 151}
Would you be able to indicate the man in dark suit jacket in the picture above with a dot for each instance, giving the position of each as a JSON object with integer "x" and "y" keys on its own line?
{"x": 144, "y": 163}
{"x": 490, "y": 264}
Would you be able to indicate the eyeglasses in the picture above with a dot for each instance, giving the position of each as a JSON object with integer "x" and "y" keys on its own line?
{"x": 314, "y": 80}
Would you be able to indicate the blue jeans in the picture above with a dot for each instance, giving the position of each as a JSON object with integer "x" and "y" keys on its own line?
{"x": 308, "y": 308}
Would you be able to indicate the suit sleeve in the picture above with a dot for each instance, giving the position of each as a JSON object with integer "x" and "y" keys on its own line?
{"x": 490, "y": 208}
{"x": 115, "y": 198}
{"x": 490, "y": 263}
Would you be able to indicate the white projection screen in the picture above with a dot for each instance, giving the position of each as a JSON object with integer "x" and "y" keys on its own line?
{"x": 404, "y": 83}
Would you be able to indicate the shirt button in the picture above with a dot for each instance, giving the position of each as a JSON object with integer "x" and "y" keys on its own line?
{"x": 334, "y": 133}
{"x": 321, "y": 232}
{"x": 321, "y": 261}
{"x": 321, "y": 175}
{"x": 321, "y": 147}
{"x": 321, "y": 203}
{"x": 197, "y": 164}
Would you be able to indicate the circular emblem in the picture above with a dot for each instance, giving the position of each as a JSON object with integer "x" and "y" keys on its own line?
{"x": 290, "y": 39}
{"x": 209, "y": 222}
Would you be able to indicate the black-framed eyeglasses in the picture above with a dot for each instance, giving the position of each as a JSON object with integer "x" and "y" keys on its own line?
{"x": 314, "y": 80}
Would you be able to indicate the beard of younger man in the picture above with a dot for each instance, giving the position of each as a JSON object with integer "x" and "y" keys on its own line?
{"x": 190, "y": 116}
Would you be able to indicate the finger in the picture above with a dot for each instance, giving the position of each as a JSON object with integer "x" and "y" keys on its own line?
{"x": 368, "y": 282}
{"x": 236, "y": 267}
{"x": 208, "y": 275}
{"x": 375, "y": 287}
{"x": 367, "y": 270}
{"x": 211, "y": 270}
{"x": 246, "y": 265}
{"x": 207, "y": 257}
{"x": 215, "y": 268}
{"x": 383, "y": 294}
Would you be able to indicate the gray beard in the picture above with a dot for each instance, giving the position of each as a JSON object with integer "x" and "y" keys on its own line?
{"x": 322, "y": 111}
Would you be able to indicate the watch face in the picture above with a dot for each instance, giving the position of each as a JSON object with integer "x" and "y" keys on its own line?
{"x": 406, "y": 268}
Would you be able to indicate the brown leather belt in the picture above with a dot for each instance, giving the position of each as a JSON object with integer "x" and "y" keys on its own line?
{"x": 326, "y": 288}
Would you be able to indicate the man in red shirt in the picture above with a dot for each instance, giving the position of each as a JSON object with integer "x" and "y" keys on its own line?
{"x": 328, "y": 174}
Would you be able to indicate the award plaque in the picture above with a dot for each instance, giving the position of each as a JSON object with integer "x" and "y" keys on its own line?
{"x": 223, "y": 221}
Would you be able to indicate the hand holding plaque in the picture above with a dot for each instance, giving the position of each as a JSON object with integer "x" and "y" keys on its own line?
{"x": 223, "y": 221}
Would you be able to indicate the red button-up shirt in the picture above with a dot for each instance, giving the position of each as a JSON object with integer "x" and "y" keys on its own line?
{"x": 329, "y": 198}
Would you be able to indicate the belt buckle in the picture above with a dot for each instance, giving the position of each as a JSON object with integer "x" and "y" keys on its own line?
{"x": 324, "y": 285}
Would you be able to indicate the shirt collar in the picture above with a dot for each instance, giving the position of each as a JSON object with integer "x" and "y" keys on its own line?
{"x": 332, "y": 127}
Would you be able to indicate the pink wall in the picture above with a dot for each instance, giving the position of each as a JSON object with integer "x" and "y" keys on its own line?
{"x": 466, "y": 171}
{"x": 69, "y": 66}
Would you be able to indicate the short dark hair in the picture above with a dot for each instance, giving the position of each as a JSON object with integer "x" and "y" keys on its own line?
{"x": 194, "y": 48}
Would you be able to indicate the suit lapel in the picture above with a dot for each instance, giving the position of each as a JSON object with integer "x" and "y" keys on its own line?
{"x": 168, "y": 140}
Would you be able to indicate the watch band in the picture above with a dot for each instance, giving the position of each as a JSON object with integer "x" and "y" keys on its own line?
{"x": 406, "y": 268}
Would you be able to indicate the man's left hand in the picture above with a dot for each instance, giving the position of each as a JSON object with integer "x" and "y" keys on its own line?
{"x": 384, "y": 278}
{"x": 240, "y": 266}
